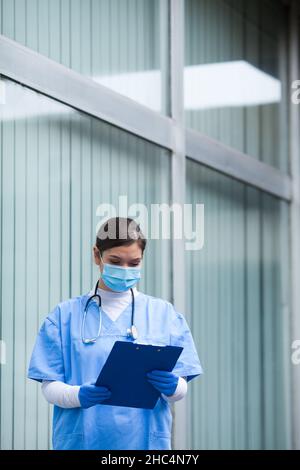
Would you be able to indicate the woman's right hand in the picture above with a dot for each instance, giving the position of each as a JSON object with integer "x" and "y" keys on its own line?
{"x": 90, "y": 395}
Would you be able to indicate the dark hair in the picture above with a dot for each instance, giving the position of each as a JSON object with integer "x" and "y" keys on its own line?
{"x": 119, "y": 231}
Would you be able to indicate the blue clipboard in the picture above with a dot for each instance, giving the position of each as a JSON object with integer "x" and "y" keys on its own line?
{"x": 125, "y": 369}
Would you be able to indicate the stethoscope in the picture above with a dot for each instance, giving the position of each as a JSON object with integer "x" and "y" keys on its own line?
{"x": 131, "y": 332}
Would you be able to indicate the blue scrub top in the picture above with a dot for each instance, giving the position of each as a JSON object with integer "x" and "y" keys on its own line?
{"x": 59, "y": 354}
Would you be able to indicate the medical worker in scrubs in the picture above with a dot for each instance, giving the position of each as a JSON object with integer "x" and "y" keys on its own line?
{"x": 69, "y": 353}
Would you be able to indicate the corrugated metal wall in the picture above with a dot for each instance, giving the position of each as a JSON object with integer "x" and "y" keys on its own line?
{"x": 58, "y": 166}
{"x": 238, "y": 294}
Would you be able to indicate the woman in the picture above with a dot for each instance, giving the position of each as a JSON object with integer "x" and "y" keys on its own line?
{"x": 69, "y": 354}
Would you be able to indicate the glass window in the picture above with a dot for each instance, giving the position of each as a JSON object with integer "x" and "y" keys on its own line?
{"x": 238, "y": 295}
{"x": 235, "y": 75}
{"x": 122, "y": 44}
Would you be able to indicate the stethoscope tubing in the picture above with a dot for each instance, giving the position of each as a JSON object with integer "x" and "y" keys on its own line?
{"x": 131, "y": 331}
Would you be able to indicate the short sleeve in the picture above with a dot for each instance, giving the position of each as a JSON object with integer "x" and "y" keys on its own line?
{"x": 46, "y": 361}
{"x": 188, "y": 364}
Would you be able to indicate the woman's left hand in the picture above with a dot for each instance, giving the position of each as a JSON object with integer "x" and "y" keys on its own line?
{"x": 164, "y": 382}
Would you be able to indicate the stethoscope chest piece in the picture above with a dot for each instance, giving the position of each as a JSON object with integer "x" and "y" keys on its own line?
{"x": 89, "y": 341}
{"x": 132, "y": 332}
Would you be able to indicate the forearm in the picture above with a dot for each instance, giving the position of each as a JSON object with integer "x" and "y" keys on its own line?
{"x": 66, "y": 396}
{"x": 61, "y": 394}
{"x": 180, "y": 392}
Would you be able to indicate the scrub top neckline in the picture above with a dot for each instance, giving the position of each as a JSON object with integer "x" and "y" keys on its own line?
{"x": 123, "y": 313}
{"x": 119, "y": 326}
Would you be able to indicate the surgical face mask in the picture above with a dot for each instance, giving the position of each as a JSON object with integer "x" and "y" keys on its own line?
{"x": 118, "y": 278}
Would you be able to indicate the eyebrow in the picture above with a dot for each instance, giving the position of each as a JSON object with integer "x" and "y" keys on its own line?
{"x": 117, "y": 257}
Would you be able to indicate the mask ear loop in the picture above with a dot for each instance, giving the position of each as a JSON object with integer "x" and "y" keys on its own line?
{"x": 102, "y": 262}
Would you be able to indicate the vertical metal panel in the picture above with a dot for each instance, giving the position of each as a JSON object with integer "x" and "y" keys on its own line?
{"x": 224, "y": 314}
{"x": 8, "y": 260}
{"x": 268, "y": 327}
{"x": 294, "y": 140}
{"x": 238, "y": 314}
{"x": 275, "y": 304}
{"x": 180, "y": 435}
{"x": 253, "y": 322}
{"x": 286, "y": 303}
{"x": 43, "y": 188}
{"x": 20, "y": 290}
